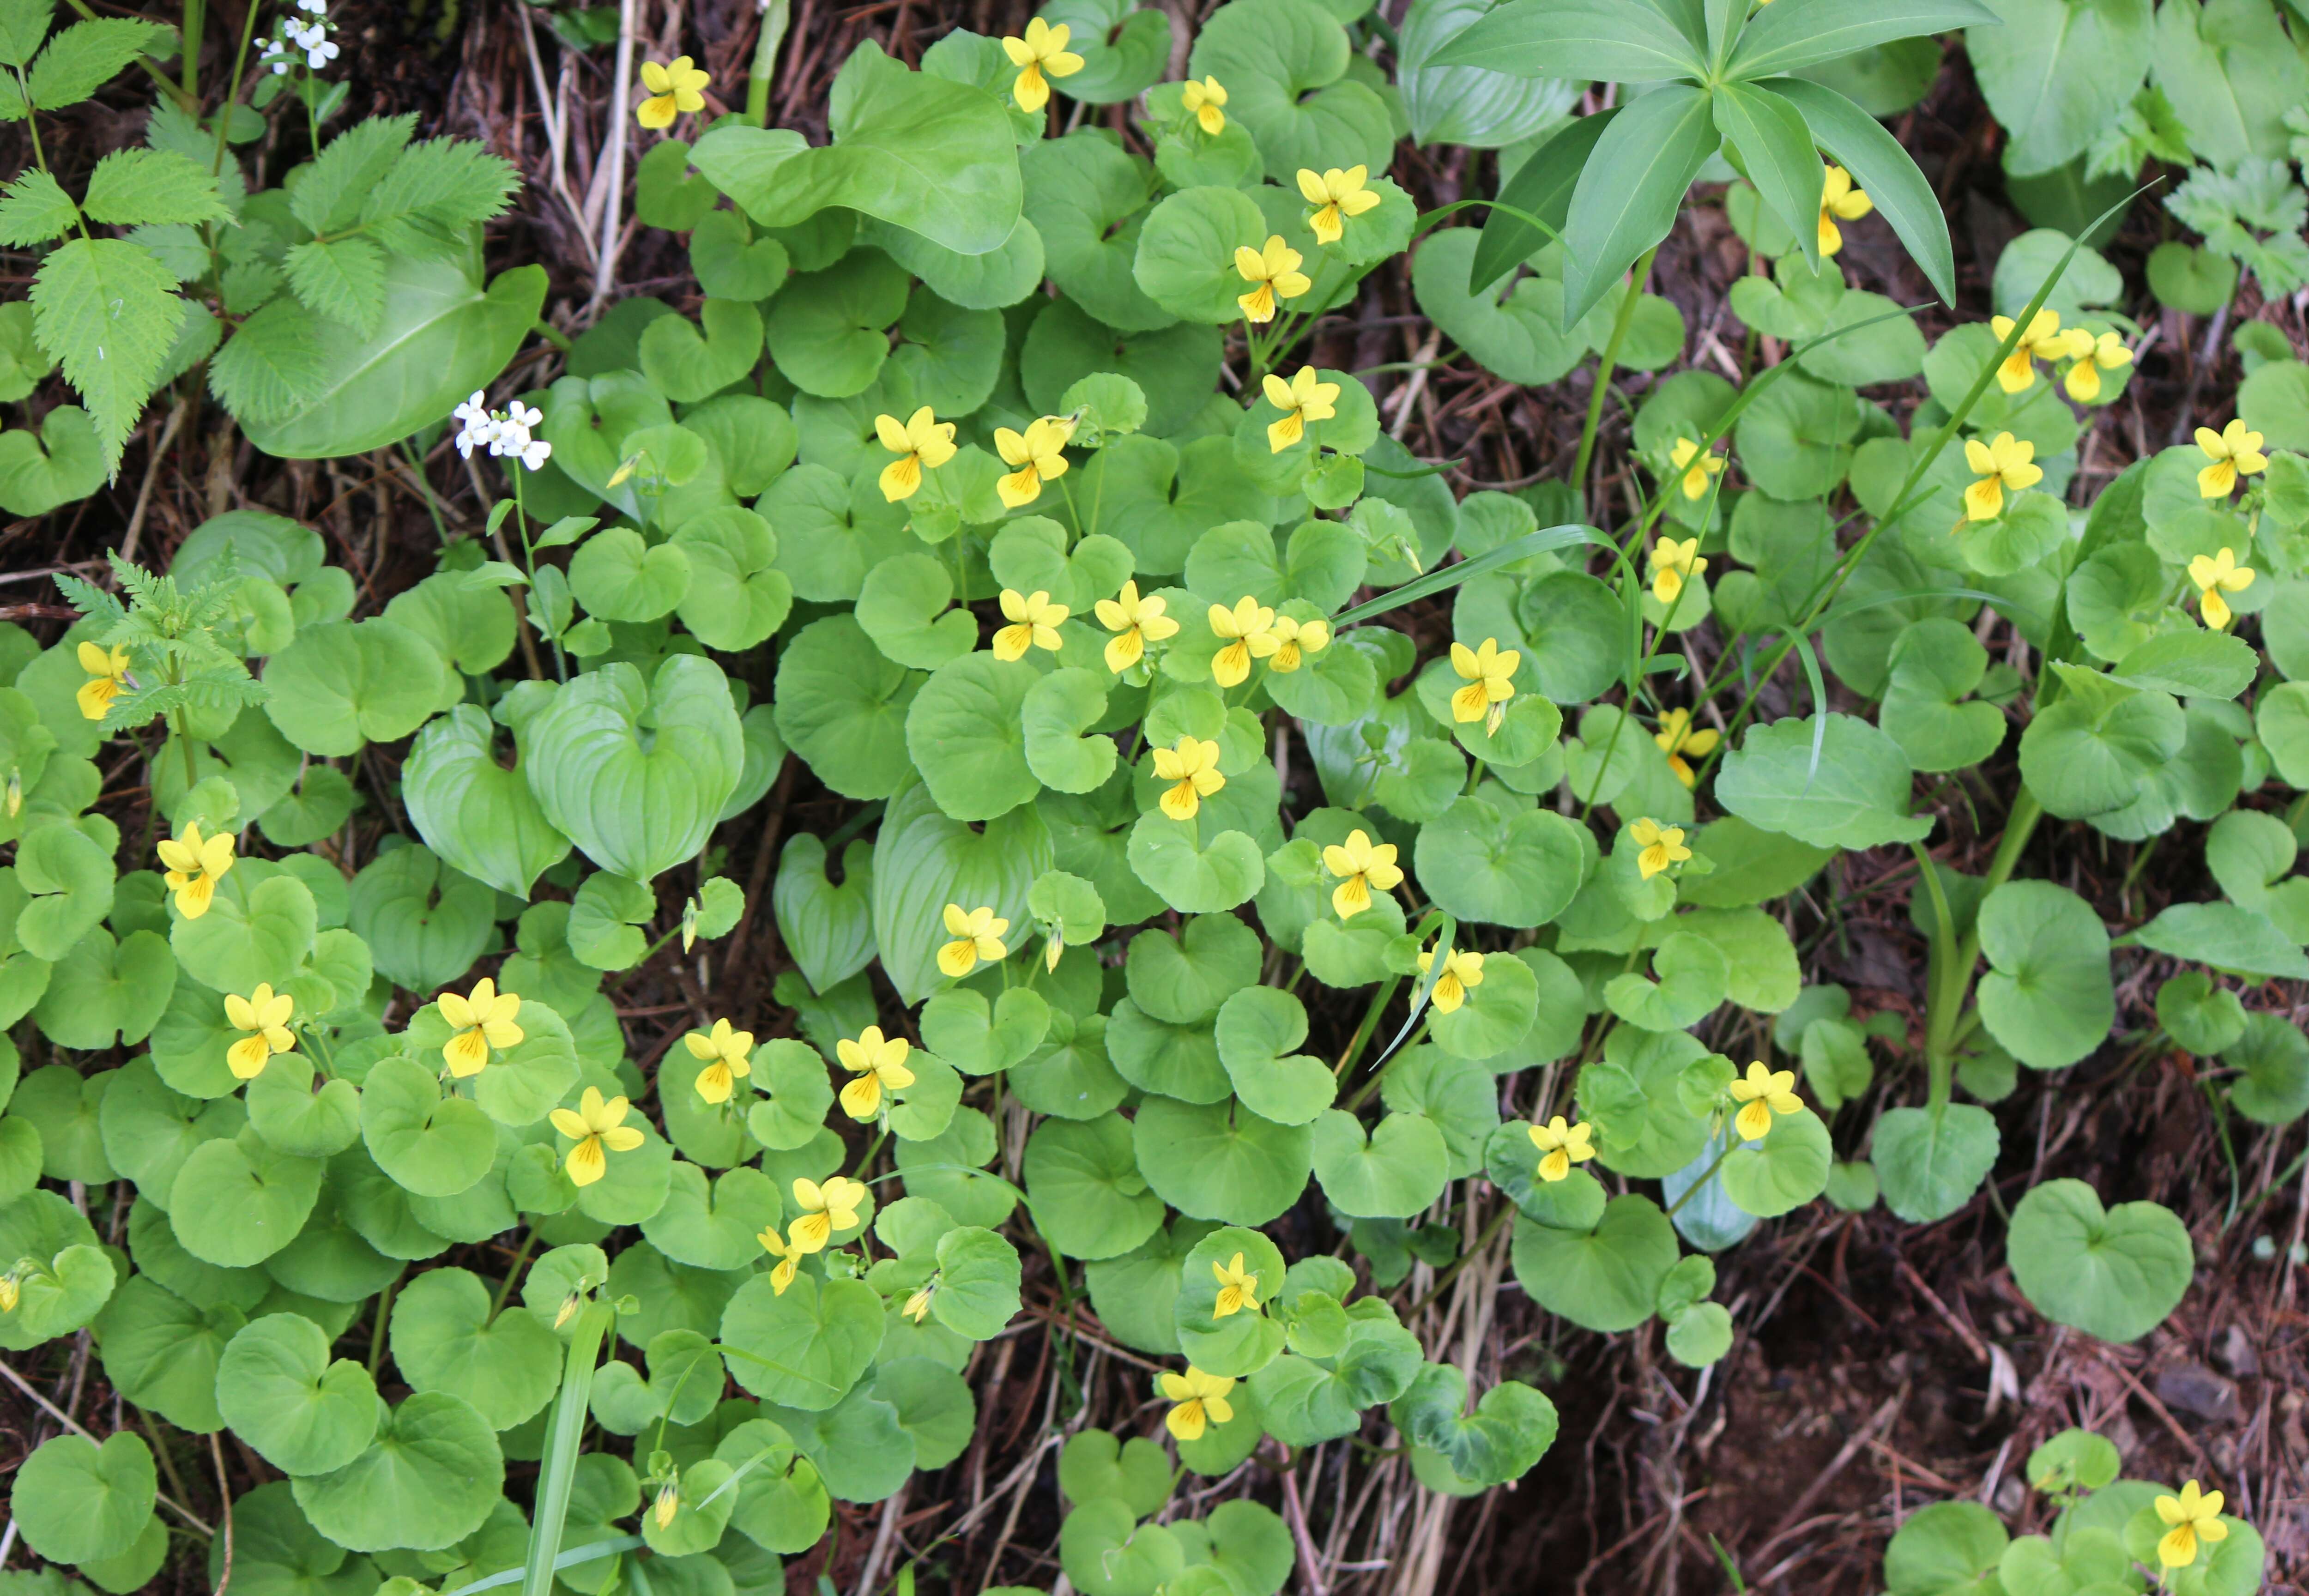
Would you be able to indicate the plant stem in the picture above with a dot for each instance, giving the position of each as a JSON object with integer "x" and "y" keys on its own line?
{"x": 232, "y": 96}
{"x": 1603, "y": 368}
{"x": 1498, "y": 1222}
{"x": 512, "y": 1273}
{"x": 774, "y": 13}
{"x": 376, "y": 1331}
{"x": 1707, "y": 1175}
{"x": 558, "y": 1473}
{"x": 195, "y": 24}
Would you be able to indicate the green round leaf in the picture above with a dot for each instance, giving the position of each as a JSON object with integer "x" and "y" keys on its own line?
{"x": 346, "y": 683}
{"x": 445, "y": 1338}
{"x": 1084, "y": 1190}
{"x": 278, "y": 1388}
{"x": 2112, "y": 1272}
{"x": 1399, "y": 1170}
{"x": 804, "y": 1349}
{"x": 77, "y": 1502}
{"x": 1605, "y": 1279}
{"x": 1222, "y": 1161}
{"x": 428, "y": 1480}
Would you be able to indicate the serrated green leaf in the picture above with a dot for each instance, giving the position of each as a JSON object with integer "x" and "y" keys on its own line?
{"x": 35, "y": 209}
{"x": 83, "y": 58}
{"x": 343, "y": 278}
{"x": 107, "y": 312}
{"x": 131, "y": 187}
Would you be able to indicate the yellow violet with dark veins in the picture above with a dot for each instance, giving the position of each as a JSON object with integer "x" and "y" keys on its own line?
{"x": 1238, "y": 1288}
{"x": 482, "y": 1021}
{"x": 1294, "y": 640}
{"x": 1838, "y": 202}
{"x": 1336, "y": 195}
{"x": 1673, "y": 564}
{"x": 674, "y": 88}
{"x": 922, "y": 441}
{"x": 1677, "y": 736}
{"x": 2004, "y": 464}
{"x": 2235, "y": 452}
{"x": 108, "y": 674}
{"x": 2216, "y": 575}
{"x": 195, "y": 865}
{"x": 1192, "y": 769}
{"x": 728, "y": 1058}
{"x": 2192, "y": 1519}
{"x": 1203, "y": 99}
{"x": 599, "y": 1129}
{"x": 1463, "y": 970}
{"x": 1489, "y": 671}
{"x": 1035, "y": 457}
{"x": 918, "y": 1305}
{"x": 1201, "y": 1400}
{"x": 977, "y": 936}
{"x": 1039, "y": 56}
{"x": 2091, "y": 357}
{"x": 1305, "y": 398}
{"x": 1273, "y": 273}
{"x": 1249, "y": 629}
{"x": 1361, "y": 865}
{"x": 263, "y": 1015}
{"x": 1034, "y": 623}
{"x": 1560, "y": 1146}
{"x": 1661, "y": 846}
{"x": 825, "y": 1208}
{"x": 789, "y": 1259}
{"x": 1762, "y": 1094}
{"x": 879, "y": 1064}
{"x": 1134, "y": 622}
{"x": 1696, "y": 467}
{"x": 2043, "y": 341}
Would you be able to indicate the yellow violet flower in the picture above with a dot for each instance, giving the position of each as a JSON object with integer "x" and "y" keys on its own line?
{"x": 108, "y": 674}
{"x": 1677, "y": 736}
{"x": 674, "y": 89}
{"x": 1134, "y": 622}
{"x": 195, "y": 865}
{"x": 825, "y": 1208}
{"x": 2195, "y": 1517}
{"x": 789, "y": 1259}
{"x": 922, "y": 443}
{"x": 1696, "y": 466}
{"x": 599, "y": 1129}
{"x": 1295, "y": 640}
{"x": 1463, "y": 969}
{"x": 2044, "y": 341}
{"x": 977, "y": 936}
{"x": 2092, "y": 356}
{"x": 1489, "y": 672}
{"x": 1998, "y": 465}
{"x": 1201, "y": 1399}
{"x": 1250, "y": 631}
{"x": 918, "y": 1305}
{"x": 1035, "y": 457}
{"x": 1336, "y": 195}
{"x": 264, "y": 1016}
{"x": 1034, "y": 623}
{"x": 1673, "y": 564}
{"x": 1273, "y": 273}
{"x": 727, "y": 1055}
{"x": 668, "y": 1503}
{"x": 1560, "y": 1146}
{"x": 1192, "y": 769}
{"x": 1840, "y": 202}
{"x": 1764, "y": 1093}
{"x": 482, "y": 1021}
{"x": 2216, "y": 574}
{"x": 2235, "y": 452}
{"x": 11, "y": 1292}
{"x": 1238, "y": 1288}
{"x": 1660, "y": 845}
{"x": 879, "y": 1064}
{"x": 1361, "y": 865}
{"x": 1203, "y": 98}
{"x": 1305, "y": 398}
{"x": 1041, "y": 56}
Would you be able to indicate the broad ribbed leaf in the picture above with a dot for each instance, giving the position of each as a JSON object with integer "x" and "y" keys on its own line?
{"x": 1794, "y": 34}
{"x": 1858, "y": 142}
{"x": 1781, "y": 160}
{"x": 1541, "y": 188}
{"x": 1619, "y": 41}
{"x": 1630, "y": 194}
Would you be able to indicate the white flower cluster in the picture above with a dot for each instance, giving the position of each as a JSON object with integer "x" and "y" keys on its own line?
{"x": 312, "y": 38}
{"x": 505, "y": 432}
